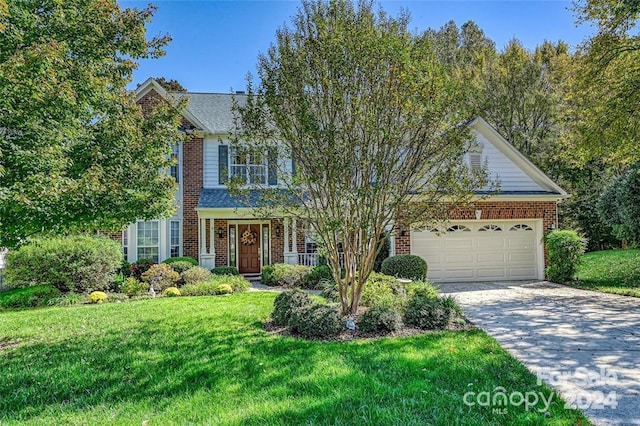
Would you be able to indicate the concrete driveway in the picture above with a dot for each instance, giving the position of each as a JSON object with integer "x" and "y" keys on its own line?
{"x": 584, "y": 344}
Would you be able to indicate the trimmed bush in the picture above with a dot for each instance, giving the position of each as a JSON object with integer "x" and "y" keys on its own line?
{"x": 29, "y": 297}
{"x": 78, "y": 264}
{"x": 140, "y": 267}
{"x": 181, "y": 266}
{"x": 132, "y": 287}
{"x": 383, "y": 290}
{"x": 380, "y": 319}
{"x": 315, "y": 321}
{"x": 160, "y": 277}
{"x": 237, "y": 283}
{"x": 97, "y": 296}
{"x": 405, "y": 266}
{"x": 208, "y": 288}
{"x": 117, "y": 297}
{"x": 424, "y": 289}
{"x": 316, "y": 276}
{"x": 284, "y": 275}
{"x": 565, "y": 249}
{"x": 171, "y": 292}
{"x": 430, "y": 313}
{"x": 172, "y": 260}
{"x": 225, "y": 270}
{"x": 286, "y": 302}
{"x": 224, "y": 289}
{"x": 196, "y": 275}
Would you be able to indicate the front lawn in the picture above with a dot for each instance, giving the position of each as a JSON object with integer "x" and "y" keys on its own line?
{"x": 610, "y": 271}
{"x": 207, "y": 360}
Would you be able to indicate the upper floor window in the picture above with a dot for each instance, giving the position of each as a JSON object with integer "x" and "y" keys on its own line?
{"x": 248, "y": 165}
{"x": 174, "y": 171}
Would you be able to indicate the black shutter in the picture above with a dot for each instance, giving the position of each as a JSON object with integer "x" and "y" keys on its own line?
{"x": 273, "y": 166}
{"x": 223, "y": 164}
{"x": 293, "y": 168}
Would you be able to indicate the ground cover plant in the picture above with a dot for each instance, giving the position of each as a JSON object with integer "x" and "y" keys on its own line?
{"x": 208, "y": 360}
{"x": 610, "y": 271}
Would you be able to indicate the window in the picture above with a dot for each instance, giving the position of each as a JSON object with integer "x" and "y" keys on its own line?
{"x": 265, "y": 244}
{"x": 174, "y": 170}
{"x": 175, "y": 238}
{"x": 125, "y": 243}
{"x": 490, "y": 228}
{"x": 232, "y": 245}
{"x": 148, "y": 240}
{"x": 458, "y": 228}
{"x": 521, "y": 227}
{"x": 248, "y": 165}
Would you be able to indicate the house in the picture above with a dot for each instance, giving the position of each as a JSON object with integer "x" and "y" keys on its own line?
{"x": 500, "y": 239}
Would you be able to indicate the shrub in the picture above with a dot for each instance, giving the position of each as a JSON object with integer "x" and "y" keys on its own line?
{"x": 424, "y": 289}
{"x": 384, "y": 290}
{"x": 286, "y": 302}
{"x": 181, "y": 266}
{"x": 117, "y": 297}
{"x": 380, "y": 319}
{"x": 140, "y": 267}
{"x": 172, "y": 260}
{"x": 405, "y": 266}
{"x": 69, "y": 299}
{"x": 196, "y": 275}
{"x": 125, "y": 269}
{"x": 315, "y": 321}
{"x": 224, "y": 289}
{"x": 161, "y": 276}
{"x": 316, "y": 275}
{"x": 97, "y": 296}
{"x": 116, "y": 282}
{"x": 385, "y": 249}
{"x": 28, "y": 297}
{"x": 77, "y": 263}
{"x": 284, "y": 275}
{"x": 430, "y": 313}
{"x": 225, "y": 270}
{"x": 171, "y": 292}
{"x": 565, "y": 249}
{"x": 132, "y": 287}
{"x": 237, "y": 283}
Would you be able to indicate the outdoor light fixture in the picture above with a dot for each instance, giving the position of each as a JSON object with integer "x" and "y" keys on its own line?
{"x": 478, "y": 214}
{"x": 220, "y": 232}
{"x": 278, "y": 231}
{"x": 403, "y": 232}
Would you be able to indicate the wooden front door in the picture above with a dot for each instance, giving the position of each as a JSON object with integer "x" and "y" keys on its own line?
{"x": 249, "y": 249}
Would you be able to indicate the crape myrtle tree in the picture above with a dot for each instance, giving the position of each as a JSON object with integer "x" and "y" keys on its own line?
{"x": 373, "y": 125}
{"x": 76, "y": 152}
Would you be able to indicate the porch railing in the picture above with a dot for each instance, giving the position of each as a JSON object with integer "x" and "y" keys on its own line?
{"x": 312, "y": 259}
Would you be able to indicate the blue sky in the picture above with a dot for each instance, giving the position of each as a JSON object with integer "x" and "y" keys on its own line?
{"x": 215, "y": 43}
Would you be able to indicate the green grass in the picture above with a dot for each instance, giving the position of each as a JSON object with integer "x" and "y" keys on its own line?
{"x": 207, "y": 360}
{"x": 610, "y": 271}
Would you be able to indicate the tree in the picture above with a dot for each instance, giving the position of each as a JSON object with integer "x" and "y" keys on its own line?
{"x": 77, "y": 152}
{"x": 373, "y": 122}
{"x": 619, "y": 205}
{"x": 608, "y": 89}
{"x": 170, "y": 85}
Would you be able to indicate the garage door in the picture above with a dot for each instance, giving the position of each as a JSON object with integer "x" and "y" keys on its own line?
{"x": 479, "y": 251}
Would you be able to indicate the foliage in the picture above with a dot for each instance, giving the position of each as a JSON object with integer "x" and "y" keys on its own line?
{"x": 161, "y": 276}
{"x": 317, "y": 275}
{"x": 237, "y": 283}
{"x": 171, "y": 292}
{"x": 76, "y": 151}
{"x": 329, "y": 290}
{"x": 132, "y": 287}
{"x": 315, "y": 321}
{"x": 225, "y": 270}
{"x": 430, "y": 313}
{"x": 619, "y": 205}
{"x": 172, "y": 260}
{"x": 224, "y": 289}
{"x": 286, "y": 302}
{"x": 284, "y": 275}
{"x": 140, "y": 267}
{"x": 405, "y": 266}
{"x": 125, "y": 269}
{"x": 117, "y": 297}
{"x": 383, "y": 289}
{"x": 610, "y": 271}
{"x": 380, "y": 319}
{"x": 196, "y": 275}
{"x": 326, "y": 85}
{"x": 171, "y": 345}
{"x": 97, "y": 296}
{"x": 68, "y": 299}
{"x": 170, "y": 85}
{"x": 76, "y": 263}
{"x": 207, "y": 288}
{"x": 383, "y": 252}
{"x": 424, "y": 289}
{"x": 28, "y": 297}
{"x": 564, "y": 249}
{"x": 181, "y": 266}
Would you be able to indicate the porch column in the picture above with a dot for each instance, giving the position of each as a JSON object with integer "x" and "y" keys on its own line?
{"x": 206, "y": 257}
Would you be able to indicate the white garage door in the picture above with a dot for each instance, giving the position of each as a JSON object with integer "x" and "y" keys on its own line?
{"x": 480, "y": 251}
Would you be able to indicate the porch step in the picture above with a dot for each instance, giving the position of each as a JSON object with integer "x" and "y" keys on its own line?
{"x": 252, "y": 277}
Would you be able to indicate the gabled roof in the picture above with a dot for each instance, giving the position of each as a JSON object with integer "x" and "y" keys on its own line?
{"x": 547, "y": 185}
{"x": 209, "y": 112}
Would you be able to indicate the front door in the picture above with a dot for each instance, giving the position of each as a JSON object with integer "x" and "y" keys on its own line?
{"x": 249, "y": 249}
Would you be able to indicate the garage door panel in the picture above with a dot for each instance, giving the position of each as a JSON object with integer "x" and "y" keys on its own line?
{"x": 479, "y": 255}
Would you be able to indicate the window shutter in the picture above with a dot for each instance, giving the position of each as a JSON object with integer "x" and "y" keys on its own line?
{"x": 273, "y": 166}
{"x": 293, "y": 168}
{"x": 223, "y": 164}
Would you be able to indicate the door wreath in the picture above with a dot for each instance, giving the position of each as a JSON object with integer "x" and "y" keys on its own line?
{"x": 248, "y": 237}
